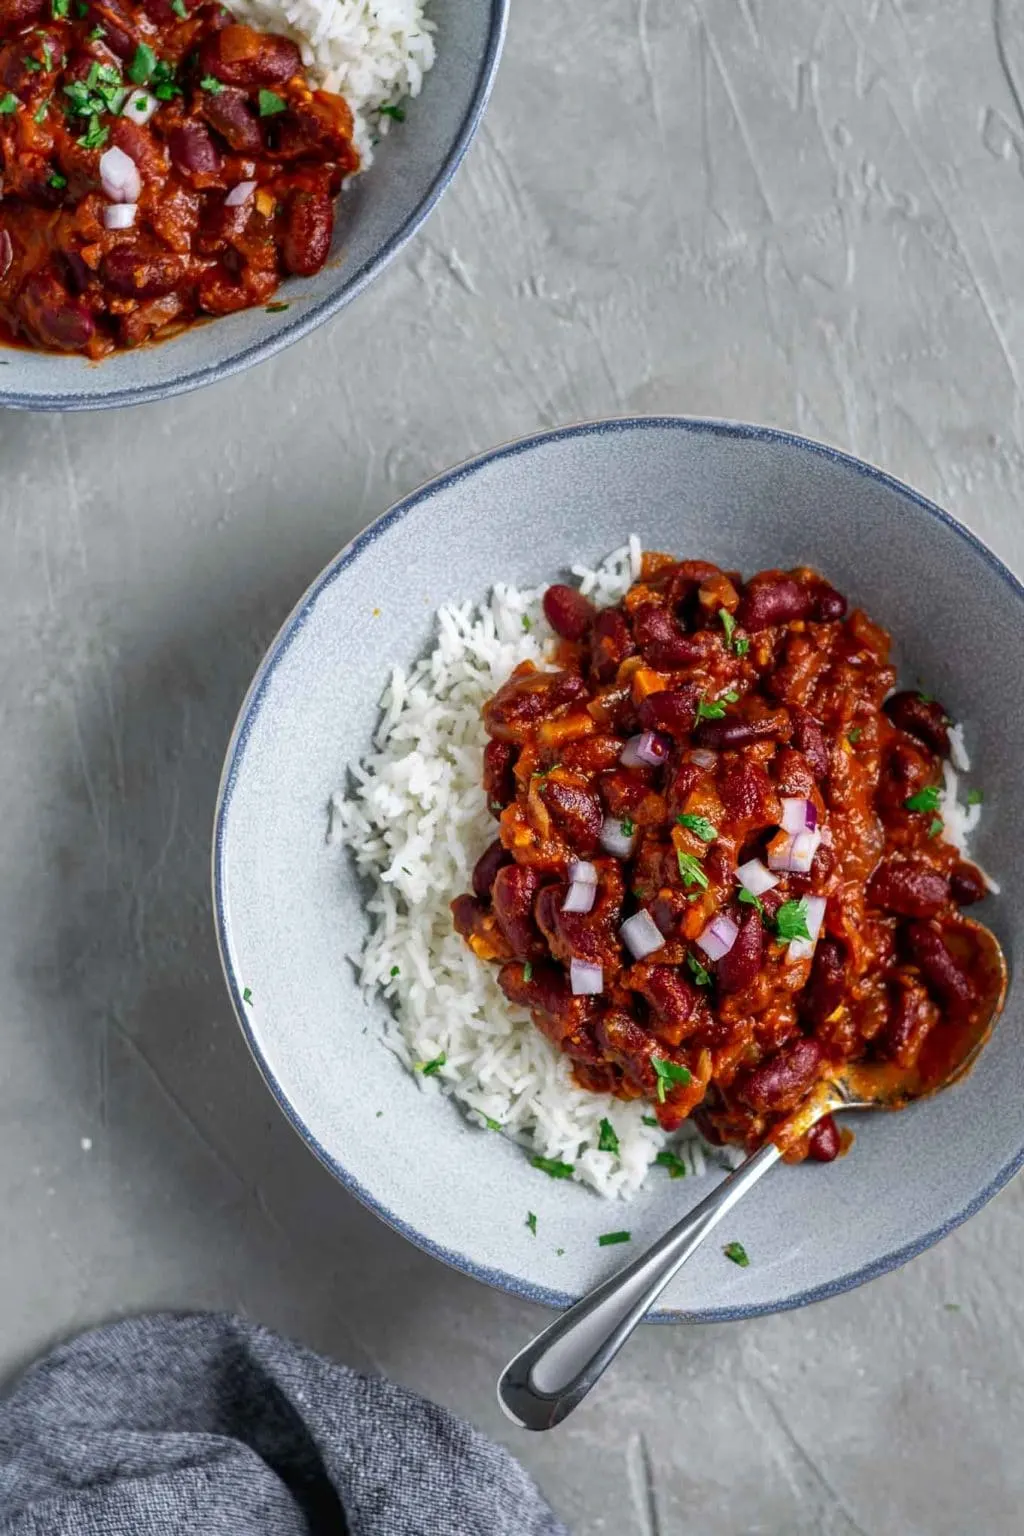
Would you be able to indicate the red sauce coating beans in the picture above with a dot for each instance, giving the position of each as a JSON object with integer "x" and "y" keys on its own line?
{"x": 231, "y": 115}
{"x": 760, "y": 700}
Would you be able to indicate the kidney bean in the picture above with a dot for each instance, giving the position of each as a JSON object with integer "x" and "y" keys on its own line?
{"x": 829, "y": 605}
{"x": 148, "y": 317}
{"x": 610, "y": 644}
{"x": 50, "y": 313}
{"x": 142, "y": 274}
{"x": 732, "y": 732}
{"x": 120, "y": 32}
{"x": 18, "y": 13}
{"x": 738, "y": 969}
{"x": 161, "y": 12}
{"x": 748, "y": 794}
{"x": 827, "y": 985}
{"x": 940, "y": 972}
{"x": 318, "y": 128}
{"x": 569, "y": 613}
{"x": 907, "y": 769}
{"x": 773, "y": 597}
{"x": 687, "y": 578}
{"x": 468, "y": 912}
{"x": 967, "y": 884}
{"x": 228, "y": 111}
{"x": 661, "y": 641}
{"x": 678, "y": 1005}
{"x": 499, "y": 775}
{"x": 140, "y": 145}
{"x": 193, "y": 150}
{"x": 924, "y": 718}
{"x": 629, "y": 1045}
{"x": 684, "y": 780}
{"x": 6, "y": 254}
{"x": 577, "y": 812}
{"x": 911, "y": 1015}
{"x": 560, "y": 1016}
{"x": 673, "y": 711}
{"x": 309, "y": 225}
{"x": 809, "y": 738}
{"x": 512, "y": 894}
{"x": 237, "y": 55}
{"x": 666, "y": 909}
{"x": 824, "y": 1142}
{"x": 528, "y": 698}
{"x": 909, "y": 886}
{"x": 492, "y": 859}
{"x": 782, "y": 1081}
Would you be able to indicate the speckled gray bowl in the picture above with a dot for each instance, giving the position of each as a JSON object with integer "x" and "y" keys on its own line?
{"x": 376, "y": 216}
{"x": 288, "y": 908}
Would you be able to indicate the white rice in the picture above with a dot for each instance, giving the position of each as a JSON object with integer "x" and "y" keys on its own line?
{"x": 416, "y": 820}
{"x": 959, "y": 820}
{"x": 373, "y": 52}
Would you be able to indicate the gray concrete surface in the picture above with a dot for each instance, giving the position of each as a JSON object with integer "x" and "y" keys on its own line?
{"x": 809, "y": 214}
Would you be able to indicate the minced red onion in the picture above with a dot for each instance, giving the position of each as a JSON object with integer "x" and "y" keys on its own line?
{"x": 799, "y": 815}
{"x": 240, "y": 194}
{"x": 586, "y": 980}
{"x": 119, "y": 215}
{"x": 803, "y": 949}
{"x": 140, "y": 107}
{"x": 793, "y": 853}
{"x": 755, "y": 877}
{"x": 645, "y": 751}
{"x": 614, "y": 840}
{"x": 582, "y": 873}
{"x": 580, "y": 897}
{"x": 719, "y": 936}
{"x": 641, "y": 935}
{"x": 703, "y": 757}
{"x": 120, "y": 176}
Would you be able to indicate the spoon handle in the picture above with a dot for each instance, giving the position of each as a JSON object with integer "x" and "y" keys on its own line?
{"x": 553, "y": 1374}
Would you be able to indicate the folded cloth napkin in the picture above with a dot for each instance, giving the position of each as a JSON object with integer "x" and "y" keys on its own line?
{"x": 210, "y": 1426}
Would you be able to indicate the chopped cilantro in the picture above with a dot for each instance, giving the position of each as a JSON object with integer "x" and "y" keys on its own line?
{"x": 247, "y": 995}
{"x": 32, "y": 64}
{"x": 716, "y": 709}
{"x": 650, "y": 1120}
{"x": 974, "y": 797}
{"x": 380, "y": 1114}
{"x": 935, "y": 827}
{"x": 742, "y": 646}
{"x": 143, "y": 63}
{"x": 552, "y": 1167}
{"x": 791, "y": 920}
{"x": 96, "y": 136}
{"x": 737, "y": 1253}
{"x": 527, "y": 625}
{"x": 212, "y": 84}
{"x": 179, "y": 8}
{"x": 47, "y": 53}
{"x": 59, "y": 8}
{"x": 925, "y": 800}
{"x": 853, "y": 735}
{"x": 700, "y": 975}
{"x": 699, "y": 826}
{"x": 690, "y": 871}
{"x": 528, "y": 971}
{"x": 39, "y": 115}
{"x": 432, "y": 1068}
{"x": 398, "y": 113}
{"x": 628, "y": 827}
{"x": 394, "y": 970}
{"x": 57, "y": 181}
{"x": 81, "y": 9}
{"x": 491, "y": 1124}
{"x": 531, "y": 1222}
{"x": 675, "y": 1165}
{"x": 951, "y": 1306}
{"x": 271, "y": 103}
{"x": 277, "y": 309}
{"x": 96, "y": 33}
{"x": 559, "y": 1252}
{"x": 669, "y": 1072}
{"x": 608, "y": 1141}
{"x": 609, "y": 1239}
{"x": 750, "y": 900}
{"x": 728, "y": 624}
{"x": 9, "y": 103}
{"x": 926, "y": 698}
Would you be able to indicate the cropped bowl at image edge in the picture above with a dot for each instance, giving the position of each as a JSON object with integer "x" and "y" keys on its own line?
{"x": 461, "y": 1192}
{"x": 421, "y": 143}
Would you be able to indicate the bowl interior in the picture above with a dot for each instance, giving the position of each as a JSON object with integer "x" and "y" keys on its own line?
{"x": 289, "y": 909}
{"x": 375, "y": 216}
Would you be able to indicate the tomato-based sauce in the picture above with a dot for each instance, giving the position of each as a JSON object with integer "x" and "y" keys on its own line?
{"x": 159, "y": 163}
{"x": 721, "y": 877}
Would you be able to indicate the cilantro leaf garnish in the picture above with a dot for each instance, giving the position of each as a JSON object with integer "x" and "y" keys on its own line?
{"x": 925, "y": 800}
{"x": 531, "y": 1222}
{"x": 699, "y": 826}
{"x": 791, "y": 920}
{"x": 277, "y": 309}
{"x": 396, "y": 112}
{"x": 737, "y": 1253}
{"x": 57, "y": 181}
{"x": 669, "y": 1072}
{"x": 935, "y": 827}
{"x": 528, "y": 971}
{"x": 609, "y": 1239}
{"x": 750, "y": 900}
{"x": 650, "y": 1120}
{"x": 974, "y": 797}
{"x": 628, "y": 827}
{"x": 728, "y": 624}
{"x": 212, "y": 84}
{"x": 9, "y": 103}
{"x": 431, "y": 1068}
{"x": 143, "y": 63}
{"x": 675, "y": 1165}
{"x": 394, "y": 970}
{"x": 271, "y": 103}
{"x": 179, "y": 9}
{"x": 96, "y": 136}
{"x": 552, "y": 1167}
{"x": 742, "y": 646}
{"x": 59, "y": 9}
{"x": 853, "y": 735}
{"x": 492, "y": 1124}
{"x": 247, "y": 995}
{"x": 526, "y": 623}
{"x": 700, "y": 975}
{"x": 690, "y": 871}
{"x": 608, "y": 1141}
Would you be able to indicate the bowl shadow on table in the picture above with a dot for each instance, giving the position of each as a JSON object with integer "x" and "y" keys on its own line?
{"x": 128, "y": 963}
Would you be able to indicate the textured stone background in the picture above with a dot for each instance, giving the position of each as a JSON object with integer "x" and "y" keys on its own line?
{"x": 810, "y": 214}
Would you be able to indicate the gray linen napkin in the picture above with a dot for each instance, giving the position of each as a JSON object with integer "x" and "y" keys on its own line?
{"x": 181, "y": 1425}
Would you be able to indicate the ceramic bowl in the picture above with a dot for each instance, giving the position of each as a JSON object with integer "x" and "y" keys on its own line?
{"x": 376, "y": 216}
{"x": 289, "y": 909}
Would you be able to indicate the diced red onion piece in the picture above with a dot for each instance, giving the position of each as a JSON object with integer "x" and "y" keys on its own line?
{"x": 799, "y": 815}
{"x": 641, "y": 935}
{"x": 793, "y": 853}
{"x": 580, "y": 897}
{"x": 582, "y": 873}
{"x": 585, "y": 980}
{"x": 803, "y": 949}
{"x": 119, "y": 215}
{"x": 719, "y": 936}
{"x": 140, "y": 107}
{"x": 644, "y": 751}
{"x": 120, "y": 176}
{"x": 240, "y": 194}
{"x": 755, "y": 877}
{"x": 614, "y": 840}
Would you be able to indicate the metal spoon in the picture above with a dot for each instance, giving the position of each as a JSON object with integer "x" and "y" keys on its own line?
{"x": 549, "y": 1378}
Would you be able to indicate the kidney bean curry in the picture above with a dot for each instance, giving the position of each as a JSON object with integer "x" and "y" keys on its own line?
{"x": 721, "y": 876}
{"x": 159, "y": 163}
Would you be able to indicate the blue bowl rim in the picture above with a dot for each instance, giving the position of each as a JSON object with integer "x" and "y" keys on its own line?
{"x": 312, "y": 315}
{"x": 236, "y": 749}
